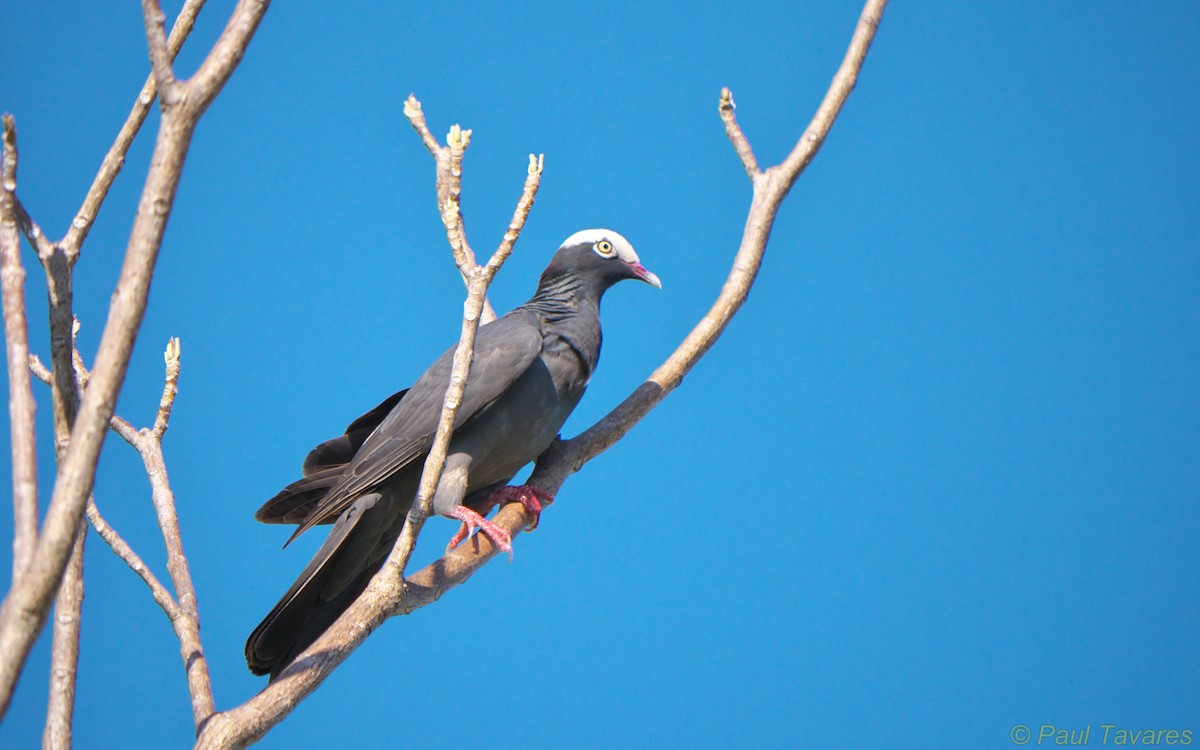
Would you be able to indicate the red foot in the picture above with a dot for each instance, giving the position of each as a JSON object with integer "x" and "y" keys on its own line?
{"x": 526, "y": 494}
{"x": 472, "y": 520}
{"x": 463, "y": 532}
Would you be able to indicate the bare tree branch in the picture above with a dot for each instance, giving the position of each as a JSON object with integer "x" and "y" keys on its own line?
{"x": 770, "y": 188}
{"x": 170, "y": 390}
{"x": 839, "y": 91}
{"x": 160, "y": 58}
{"x": 122, "y": 550}
{"x": 449, "y": 189}
{"x": 114, "y": 160}
{"x": 187, "y": 623}
{"x": 33, "y": 233}
{"x": 64, "y": 651}
{"x": 734, "y": 131}
{"x": 23, "y": 613}
{"x": 183, "y": 613}
{"x": 225, "y": 54}
{"x": 21, "y": 407}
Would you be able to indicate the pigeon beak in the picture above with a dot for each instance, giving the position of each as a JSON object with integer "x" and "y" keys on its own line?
{"x": 641, "y": 272}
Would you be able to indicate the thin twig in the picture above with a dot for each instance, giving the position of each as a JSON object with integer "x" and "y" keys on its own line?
{"x": 839, "y": 91}
{"x": 184, "y": 614}
{"x": 416, "y": 117}
{"x": 533, "y": 180}
{"x": 448, "y": 182}
{"x": 450, "y": 177}
{"x": 20, "y": 394}
{"x": 734, "y": 132}
{"x": 187, "y": 626}
{"x": 160, "y": 58}
{"x": 170, "y": 390}
{"x": 225, "y": 54}
{"x": 33, "y": 233}
{"x": 122, "y": 550}
{"x": 114, "y": 160}
{"x": 127, "y": 431}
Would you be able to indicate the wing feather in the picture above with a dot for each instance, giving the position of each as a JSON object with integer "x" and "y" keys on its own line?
{"x": 504, "y": 349}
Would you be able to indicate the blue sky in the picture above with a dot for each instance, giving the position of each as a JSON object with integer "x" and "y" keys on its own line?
{"x": 940, "y": 476}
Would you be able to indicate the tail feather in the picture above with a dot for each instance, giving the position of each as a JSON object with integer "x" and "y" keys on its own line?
{"x": 295, "y": 502}
{"x": 326, "y": 587}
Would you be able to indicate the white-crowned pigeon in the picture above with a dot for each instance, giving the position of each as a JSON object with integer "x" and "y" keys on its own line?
{"x": 530, "y": 369}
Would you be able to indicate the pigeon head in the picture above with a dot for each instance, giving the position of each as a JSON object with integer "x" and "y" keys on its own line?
{"x": 597, "y": 258}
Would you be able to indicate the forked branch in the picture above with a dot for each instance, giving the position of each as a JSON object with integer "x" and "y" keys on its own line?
{"x": 181, "y": 609}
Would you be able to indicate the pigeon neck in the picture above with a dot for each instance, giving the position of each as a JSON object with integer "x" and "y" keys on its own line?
{"x": 563, "y": 297}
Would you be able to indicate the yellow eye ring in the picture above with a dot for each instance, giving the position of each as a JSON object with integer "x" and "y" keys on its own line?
{"x": 604, "y": 247}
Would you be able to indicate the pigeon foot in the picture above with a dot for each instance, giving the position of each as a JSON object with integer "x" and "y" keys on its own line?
{"x": 472, "y": 520}
{"x": 533, "y": 498}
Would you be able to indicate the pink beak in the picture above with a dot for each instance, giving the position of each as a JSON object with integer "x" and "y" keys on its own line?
{"x": 645, "y": 274}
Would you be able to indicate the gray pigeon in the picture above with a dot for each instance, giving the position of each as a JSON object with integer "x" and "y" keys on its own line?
{"x": 530, "y": 370}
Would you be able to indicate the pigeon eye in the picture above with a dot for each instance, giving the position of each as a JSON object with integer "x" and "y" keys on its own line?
{"x": 604, "y": 249}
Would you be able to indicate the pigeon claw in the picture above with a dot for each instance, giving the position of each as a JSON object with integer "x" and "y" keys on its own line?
{"x": 472, "y": 520}
{"x": 463, "y": 532}
{"x": 533, "y": 498}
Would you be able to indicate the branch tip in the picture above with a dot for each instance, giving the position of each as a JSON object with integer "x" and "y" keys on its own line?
{"x": 733, "y": 131}
{"x": 10, "y": 154}
{"x": 458, "y": 138}
{"x": 412, "y": 107}
{"x": 170, "y": 390}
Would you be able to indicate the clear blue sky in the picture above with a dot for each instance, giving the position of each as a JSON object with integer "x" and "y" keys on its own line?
{"x": 940, "y": 477}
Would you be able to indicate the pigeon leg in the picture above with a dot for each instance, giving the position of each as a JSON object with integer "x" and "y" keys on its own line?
{"x": 472, "y": 520}
{"x": 533, "y": 498}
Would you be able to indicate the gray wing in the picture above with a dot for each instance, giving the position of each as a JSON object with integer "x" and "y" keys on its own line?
{"x": 504, "y": 349}
{"x": 323, "y": 468}
{"x": 340, "y": 450}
